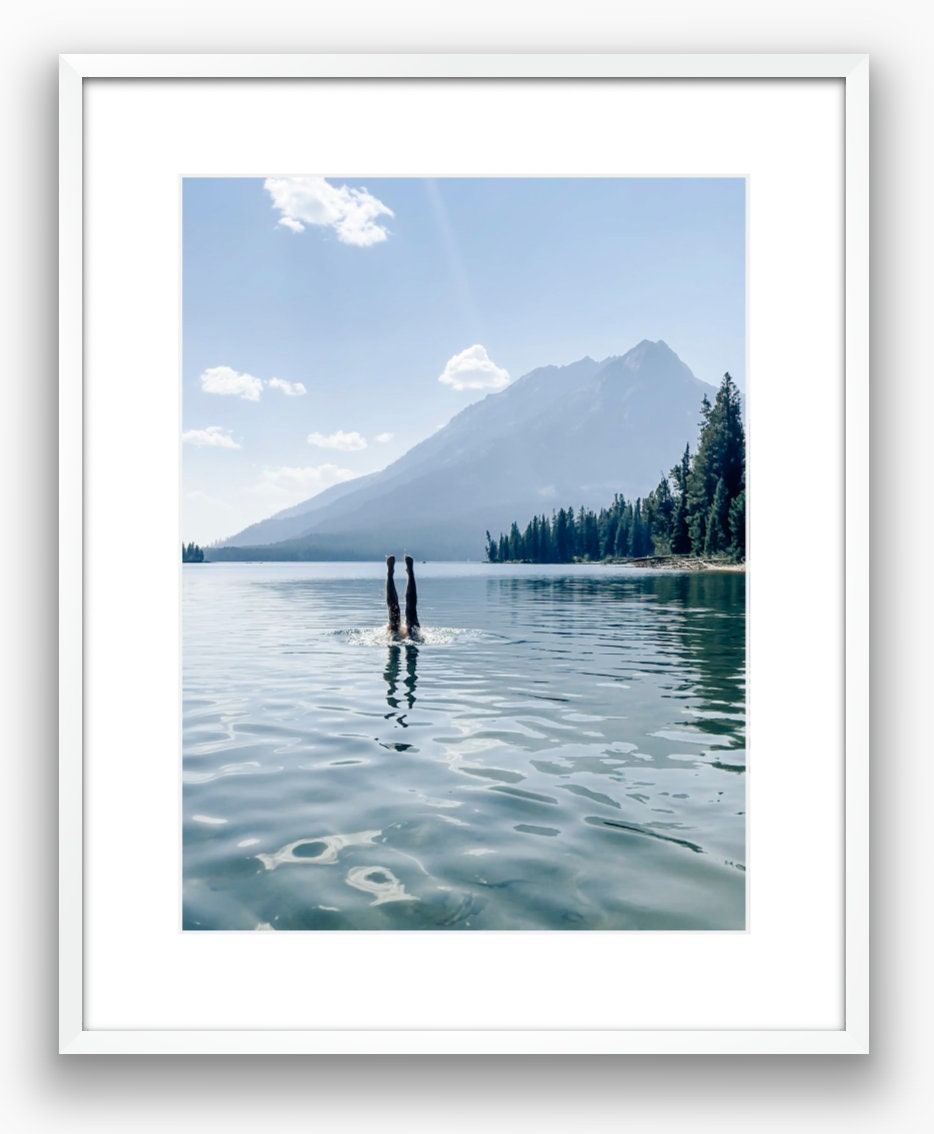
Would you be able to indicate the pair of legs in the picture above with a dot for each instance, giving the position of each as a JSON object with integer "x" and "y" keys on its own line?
{"x": 411, "y": 598}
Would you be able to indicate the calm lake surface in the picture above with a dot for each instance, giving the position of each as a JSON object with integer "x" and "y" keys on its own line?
{"x": 565, "y": 750}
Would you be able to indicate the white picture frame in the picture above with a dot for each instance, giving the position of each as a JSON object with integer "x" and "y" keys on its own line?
{"x": 81, "y": 605}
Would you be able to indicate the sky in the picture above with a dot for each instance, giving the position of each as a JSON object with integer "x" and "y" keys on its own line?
{"x": 329, "y": 324}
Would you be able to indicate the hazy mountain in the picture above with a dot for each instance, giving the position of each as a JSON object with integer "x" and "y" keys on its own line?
{"x": 559, "y": 436}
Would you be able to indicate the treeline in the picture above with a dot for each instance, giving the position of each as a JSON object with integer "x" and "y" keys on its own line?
{"x": 698, "y": 509}
{"x": 192, "y": 553}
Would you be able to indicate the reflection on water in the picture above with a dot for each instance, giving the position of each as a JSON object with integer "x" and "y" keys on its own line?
{"x": 564, "y": 749}
{"x": 391, "y": 675}
{"x": 379, "y": 881}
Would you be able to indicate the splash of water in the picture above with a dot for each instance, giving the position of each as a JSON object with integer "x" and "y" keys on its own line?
{"x": 428, "y": 636}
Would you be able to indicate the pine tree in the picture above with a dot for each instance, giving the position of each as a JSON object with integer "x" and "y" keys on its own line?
{"x": 547, "y": 537}
{"x": 737, "y": 525}
{"x": 699, "y": 487}
{"x": 624, "y": 533}
{"x": 717, "y": 537}
{"x": 721, "y": 455}
{"x": 590, "y": 542}
{"x": 562, "y": 543}
{"x": 640, "y": 536}
{"x": 515, "y": 542}
{"x": 732, "y": 438}
{"x": 528, "y": 542}
{"x": 658, "y": 510}
{"x": 680, "y": 475}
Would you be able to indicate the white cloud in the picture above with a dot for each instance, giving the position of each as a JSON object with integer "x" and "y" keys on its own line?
{"x": 291, "y": 389}
{"x": 383, "y": 438}
{"x": 216, "y": 435}
{"x": 280, "y": 487}
{"x": 351, "y": 213}
{"x": 225, "y": 380}
{"x": 473, "y": 369}
{"x": 346, "y": 442}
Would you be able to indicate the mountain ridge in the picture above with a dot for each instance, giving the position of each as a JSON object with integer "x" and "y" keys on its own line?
{"x": 558, "y": 435}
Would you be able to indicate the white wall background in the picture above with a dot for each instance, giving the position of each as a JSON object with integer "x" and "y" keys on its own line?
{"x": 45, "y": 1092}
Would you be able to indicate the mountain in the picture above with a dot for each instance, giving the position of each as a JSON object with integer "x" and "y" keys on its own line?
{"x": 558, "y": 436}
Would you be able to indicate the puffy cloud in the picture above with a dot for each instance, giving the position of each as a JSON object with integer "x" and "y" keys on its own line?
{"x": 226, "y": 380}
{"x": 291, "y": 389}
{"x": 346, "y": 442}
{"x": 383, "y": 438}
{"x": 281, "y": 487}
{"x": 215, "y": 435}
{"x": 473, "y": 369}
{"x": 351, "y": 213}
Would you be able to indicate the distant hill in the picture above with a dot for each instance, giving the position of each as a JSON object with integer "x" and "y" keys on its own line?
{"x": 558, "y": 436}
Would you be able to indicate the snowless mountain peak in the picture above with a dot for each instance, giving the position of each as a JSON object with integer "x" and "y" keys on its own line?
{"x": 558, "y": 436}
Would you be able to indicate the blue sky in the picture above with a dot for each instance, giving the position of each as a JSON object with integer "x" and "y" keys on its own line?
{"x": 329, "y": 324}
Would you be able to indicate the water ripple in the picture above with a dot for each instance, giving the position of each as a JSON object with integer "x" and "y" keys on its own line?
{"x": 545, "y": 757}
{"x": 321, "y": 851}
{"x": 379, "y": 881}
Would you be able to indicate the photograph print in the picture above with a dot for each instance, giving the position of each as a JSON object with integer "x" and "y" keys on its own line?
{"x": 463, "y": 542}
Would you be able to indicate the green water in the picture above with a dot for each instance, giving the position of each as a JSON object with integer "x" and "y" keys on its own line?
{"x": 565, "y": 750}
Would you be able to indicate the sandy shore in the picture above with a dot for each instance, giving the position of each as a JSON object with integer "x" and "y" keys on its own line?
{"x": 680, "y": 563}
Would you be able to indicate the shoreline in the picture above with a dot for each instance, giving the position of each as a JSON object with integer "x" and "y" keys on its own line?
{"x": 650, "y": 562}
{"x": 680, "y": 563}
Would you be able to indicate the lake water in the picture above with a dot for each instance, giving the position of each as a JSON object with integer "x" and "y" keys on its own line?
{"x": 565, "y": 749}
